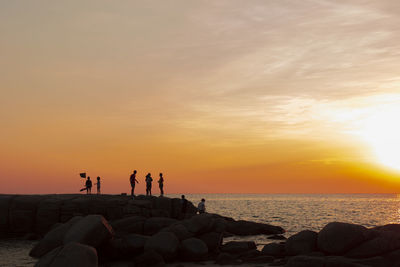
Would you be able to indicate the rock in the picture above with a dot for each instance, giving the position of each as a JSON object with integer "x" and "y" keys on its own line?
{"x": 48, "y": 214}
{"x": 47, "y": 259}
{"x": 164, "y": 243}
{"x": 133, "y": 244}
{"x": 176, "y": 208}
{"x": 385, "y": 242}
{"x": 238, "y": 246}
{"x": 213, "y": 240}
{"x": 305, "y": 261}
{"x": 226, "y": 259}
{"x": 393, "y": 227}
{"x": 132, "y": 224}
{"x": 31, "y": 236}
{"x": 277, "y": 237}
{"x": 22, "y": 213}
{"x": 301, "y": 243}
{"x": 193, "y": 249}
{"x": 273, "y": 249}
{"x": 154, "y": 225}
{"x": 164, "y": 204}
{"x": 252, "y": 228}
{"x": 220, "y": 225}
{"x": 5, "y": 203}
{"x": 199, "y": 224}
{"x": 179, "y": 230}
{"x": 338, "y": 238}
{"x": 260, "y": 259}
{"x": 159, "y": 213}
{"x": 72, "y": 254}
{"x": 341, "y": 262}
{"x": 92, "y": 230}
{"x": 149, "y": 259}
{"x": 53, "y": 239}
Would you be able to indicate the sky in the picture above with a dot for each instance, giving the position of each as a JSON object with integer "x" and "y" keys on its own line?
{"x": 277, "y": 96}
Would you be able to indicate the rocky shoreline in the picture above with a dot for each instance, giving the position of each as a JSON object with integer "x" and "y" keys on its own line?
{"x": 80, "y": 230}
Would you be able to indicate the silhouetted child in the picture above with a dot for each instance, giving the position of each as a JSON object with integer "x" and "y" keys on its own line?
{"x": 133, "y": 182}
{"x": 88, "y": 186}
{"x": 161, "y": 184}
{"x": 202, "y": 206}
{"x": 98, "y": 185}
{"x": 148, "y": 184}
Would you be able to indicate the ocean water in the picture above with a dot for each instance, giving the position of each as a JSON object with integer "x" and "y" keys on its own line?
{"x": 292, "y": 212}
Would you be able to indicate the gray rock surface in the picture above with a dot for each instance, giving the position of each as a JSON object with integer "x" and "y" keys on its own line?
{"x": 301, "y": 243}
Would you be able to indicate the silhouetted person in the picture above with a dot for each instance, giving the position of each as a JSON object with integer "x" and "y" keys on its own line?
{"x": 98, "y": 185}
{"x": 148, "y": 184}
{"x": 202, "y": 206}
{"x": 161, "y": 184}
{"x": 88, "y": 186}
{"x": 133, "y": 182}
{"x": 184, "y": 205}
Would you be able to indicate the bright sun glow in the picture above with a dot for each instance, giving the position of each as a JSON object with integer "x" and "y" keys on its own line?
{"x": 381, "y": 130}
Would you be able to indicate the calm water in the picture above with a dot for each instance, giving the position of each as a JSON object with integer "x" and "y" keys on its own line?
{"x": 292, "y": 212}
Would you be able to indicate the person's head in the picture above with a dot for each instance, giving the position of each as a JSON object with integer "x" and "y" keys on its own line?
{"x": 183, "y": 196}
{"x": 98, "y": 177}
{"x": 134, "y": 171}
{"x": 160, "y": 174}
{"x": 203, "y": 200}
{"x": 88, "y": 177}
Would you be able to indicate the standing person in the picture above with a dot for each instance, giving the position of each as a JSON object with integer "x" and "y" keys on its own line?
{"x": 161, "y": 184}
{"x": 98, "y": 185}
{"x": 148, "y": 184}
{"x": 88, "y": 186}
{"x": 133, "y": 182}
{"x": 202, "y": 206}
{"x": 184, "y": 205}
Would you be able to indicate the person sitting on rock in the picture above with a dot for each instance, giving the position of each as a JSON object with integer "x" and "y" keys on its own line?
{"x": 88, "y": 186}
{"x": 202, "y": 206}
{"x": 133, "y": 182}
{"x": 148, "y": 184}
{"x": 161, "y": 184}
{"x": 98, "y": 185}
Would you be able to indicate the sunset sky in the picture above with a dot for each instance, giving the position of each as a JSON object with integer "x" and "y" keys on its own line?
{"x": 277, "y": 96}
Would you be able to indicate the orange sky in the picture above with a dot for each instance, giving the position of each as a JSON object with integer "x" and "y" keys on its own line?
{"x": 220, "y": 96}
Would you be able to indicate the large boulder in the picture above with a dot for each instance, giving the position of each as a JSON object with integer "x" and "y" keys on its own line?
{"x": 301, "y": 243}
{"x": 273, "y": 249}
{"x": 235, "y": 247}
{"x": 149, "y": 259}
{"x": 155, "y": 224}
{"x": 180, "y": 231}
{"x": 53, "y": 239}
{"x": 338, "y": 238}
{"x": 227, "y": 259}
{"x": 252, "y": 228}
{"x": 213, "y": 240}
{"x": 342, "y": 262}
{"x": 72, "y": 254}
{"x": 306, "y": 261}
{"x": 92, "y": 230}
{"x": 199, "y": 224}
{"x": 132, "y": 224}
{"x": 193, "y": 249}
{"x": 133, "y": 244}
{"x": 385, "y": 242}
{"x": 164, "y": 243}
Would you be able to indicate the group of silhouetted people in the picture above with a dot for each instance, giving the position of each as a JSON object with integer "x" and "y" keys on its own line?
{"x": 88, "y": 185}
{"x": 201, "y": 207}
{"x": 148, "y": 181}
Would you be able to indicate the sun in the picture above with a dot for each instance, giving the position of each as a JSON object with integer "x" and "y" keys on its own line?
{"x": 381, "y": 131}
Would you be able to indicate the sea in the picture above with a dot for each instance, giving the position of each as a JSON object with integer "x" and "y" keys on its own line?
{"x": 293, "y": 212}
